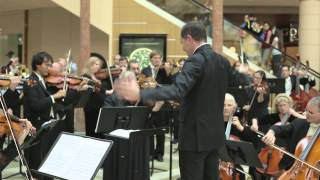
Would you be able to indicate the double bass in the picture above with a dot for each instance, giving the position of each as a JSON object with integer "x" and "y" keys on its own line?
{"x": 299, "y": 96}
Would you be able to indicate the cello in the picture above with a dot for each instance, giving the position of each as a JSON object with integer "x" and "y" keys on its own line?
{"x": 226, "y": 169}
{"x": 306, "y": 166}
{"x": 308, "y": 149}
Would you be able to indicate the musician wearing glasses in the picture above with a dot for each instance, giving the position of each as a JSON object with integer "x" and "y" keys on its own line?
{"x": 296, "y": 130}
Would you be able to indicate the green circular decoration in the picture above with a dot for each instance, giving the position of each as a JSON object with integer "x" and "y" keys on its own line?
{"x": 142, "y": 56}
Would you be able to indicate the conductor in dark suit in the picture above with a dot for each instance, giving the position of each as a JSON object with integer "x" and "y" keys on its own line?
{"x": 201, "y": 86}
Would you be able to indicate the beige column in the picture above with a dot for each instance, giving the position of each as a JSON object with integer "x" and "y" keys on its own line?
{"x": 309, "y": 32}
{"x": 84, "y": 33}
{"x": 85, "y": 49}
{"x": 217, "y": 25}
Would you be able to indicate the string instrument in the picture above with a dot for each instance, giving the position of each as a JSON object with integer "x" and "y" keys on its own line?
{"x": 17, "y": 126}
{"x": 13, "y": 130}
{"x": 270, "y": 157}
{"x": 105, "y": 73}
{"x": 147, "y": 82}
{"x": 6, "y": 80}
{"x": 226, "y": 169}
{"x": 299, "y": 96}
{"x": 311, "y": 90}
{"x": 308, "y": 149}
{"x": 57, "y": 78}
{"x": 305, "y": 165}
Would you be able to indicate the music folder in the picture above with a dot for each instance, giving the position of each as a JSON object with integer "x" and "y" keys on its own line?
{"x": 75, "y": 157}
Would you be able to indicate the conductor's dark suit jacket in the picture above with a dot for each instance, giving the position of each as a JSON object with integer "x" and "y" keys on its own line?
{"x": 201, "y": 86}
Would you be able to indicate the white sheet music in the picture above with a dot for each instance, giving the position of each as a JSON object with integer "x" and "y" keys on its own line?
{"x": 75, "y": 157}
{"x": 124, "y": 133}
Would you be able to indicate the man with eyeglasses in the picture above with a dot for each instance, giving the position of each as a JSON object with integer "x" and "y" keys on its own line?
{"x": 296, "y": 130}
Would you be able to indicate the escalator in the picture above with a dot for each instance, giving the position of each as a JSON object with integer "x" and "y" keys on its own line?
{"x": 246, "y": 44}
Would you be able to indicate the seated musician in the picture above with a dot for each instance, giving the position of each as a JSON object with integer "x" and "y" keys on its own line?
{"x": 135, "y": 67}
{"x": 10, "y": 152}
{"x": 296, "y": 130}
{"x": 284, "y": 113}
{"x": 123, "y": 64}
{"x": 258, "y": 96}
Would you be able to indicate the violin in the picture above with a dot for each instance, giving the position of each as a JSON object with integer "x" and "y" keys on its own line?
{"x": 104, "y": 73}
{"x": 308, "y": 149}
{"x": 147, "y": 82}
{"x": 5, "y": 81}
{"x": 56, "y": 78}
{"x": 18, "y": 127}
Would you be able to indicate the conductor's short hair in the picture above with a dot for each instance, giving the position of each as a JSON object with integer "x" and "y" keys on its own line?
{"x": 196, "y": 30}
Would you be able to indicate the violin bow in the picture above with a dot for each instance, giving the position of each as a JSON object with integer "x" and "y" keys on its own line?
{"x": 110, "y": 75}
{"x": 17, "y": 146}
{"x": 65, "y": 84}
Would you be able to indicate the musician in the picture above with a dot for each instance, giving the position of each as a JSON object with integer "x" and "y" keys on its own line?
{"x": 65, "y": 108}
{"x": 258, "y": 97}
{"x": 135, "y": 67}
{"x": 116, "y": 59}
{"x": 13, "y": 97}
{"x": 12, "y": 66}
{"x": 296, "y": 130}
{"x": 159, "y": 118}
{"x": 8, "y": 154}
{"x": 39, "y": 105}
{"x": 95, "y": 63}
{"x": 284, "y": 114}
{"x": 201, "y": 86}
{"x": 123, "y": 64}
{"x": 236, "y": 129}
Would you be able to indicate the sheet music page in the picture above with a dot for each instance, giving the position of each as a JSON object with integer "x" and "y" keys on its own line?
{"x": 124, "y": 133}
{"x": 75, "y": 157}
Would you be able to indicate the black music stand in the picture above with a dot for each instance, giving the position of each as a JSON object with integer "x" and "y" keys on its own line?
{"x": 276, "y": 85}
{"x": 77, "y": 161}
{"x": 131, "y": 117}
{"x": 118, "y": 165}
{"x": 44, "y": 129}
{"x": 239, "y": 153}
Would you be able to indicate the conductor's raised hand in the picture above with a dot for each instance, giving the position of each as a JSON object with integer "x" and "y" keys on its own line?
{"x": 127, "y": 87}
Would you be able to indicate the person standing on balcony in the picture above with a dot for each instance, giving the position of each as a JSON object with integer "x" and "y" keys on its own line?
{"x": 266, "y": 44}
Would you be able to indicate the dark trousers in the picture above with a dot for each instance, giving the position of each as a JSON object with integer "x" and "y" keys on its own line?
{"x": 91, "y": 118}
{"x": 276, "y": 65}
{"x": 198, "y": 165}
{"x": 159, "y": 119}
